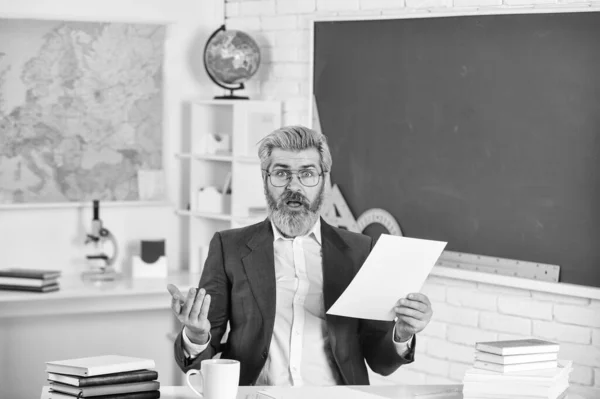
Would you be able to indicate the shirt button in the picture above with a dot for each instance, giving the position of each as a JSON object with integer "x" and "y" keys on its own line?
{"x": 265, "y": 354}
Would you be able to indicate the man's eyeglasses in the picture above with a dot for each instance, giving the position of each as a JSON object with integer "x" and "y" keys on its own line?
{"x": 282, "y": 177}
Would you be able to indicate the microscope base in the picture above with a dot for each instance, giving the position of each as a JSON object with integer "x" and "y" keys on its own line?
{"x": 100, "y": 276}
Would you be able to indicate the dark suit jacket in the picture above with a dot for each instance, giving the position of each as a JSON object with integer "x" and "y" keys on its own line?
{"x": 239, "y": 274}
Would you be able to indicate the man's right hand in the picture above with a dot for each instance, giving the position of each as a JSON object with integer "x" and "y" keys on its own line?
{"x": 192, "y": 311}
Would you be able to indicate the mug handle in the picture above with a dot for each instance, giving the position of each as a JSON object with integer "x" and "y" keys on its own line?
{"x": 189, "y": 384}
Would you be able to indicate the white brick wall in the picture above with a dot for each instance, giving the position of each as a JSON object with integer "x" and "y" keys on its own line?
{"x": 464, "y": 311}
{"x": 525, "y": 307}
{"x": 596, "y": 338}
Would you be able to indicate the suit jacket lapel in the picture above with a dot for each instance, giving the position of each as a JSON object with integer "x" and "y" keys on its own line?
{"x": 337, "y": 272}
{"x": 259, "y": 265}
{"x": 337, "y": 275}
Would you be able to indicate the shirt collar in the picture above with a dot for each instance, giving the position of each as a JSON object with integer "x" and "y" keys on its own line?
{"x": 315, "y": 232}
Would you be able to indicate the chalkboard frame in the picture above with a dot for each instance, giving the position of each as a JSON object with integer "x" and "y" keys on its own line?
{"x": 451, "y": 13}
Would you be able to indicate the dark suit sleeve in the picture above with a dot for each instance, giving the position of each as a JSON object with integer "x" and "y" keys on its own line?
{"x": 378, "y": 345}
{"x": 216, "y": 283}
{"x": 379, "y": 349}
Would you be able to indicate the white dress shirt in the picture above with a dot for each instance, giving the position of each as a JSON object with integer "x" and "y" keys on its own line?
{"x": 299, "y": 353}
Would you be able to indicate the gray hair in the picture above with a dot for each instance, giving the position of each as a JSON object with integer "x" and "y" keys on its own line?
{"x": 294, "y": 138}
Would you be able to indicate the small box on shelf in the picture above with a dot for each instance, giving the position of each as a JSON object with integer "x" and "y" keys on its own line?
{"x": 215, "y": 144}
{"x": 211, "y": 200}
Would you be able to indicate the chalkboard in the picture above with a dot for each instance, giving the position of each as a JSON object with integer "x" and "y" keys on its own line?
{"x": 483, "y": 131}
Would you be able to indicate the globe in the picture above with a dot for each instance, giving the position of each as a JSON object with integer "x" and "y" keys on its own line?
{"x": 231, "y": 57}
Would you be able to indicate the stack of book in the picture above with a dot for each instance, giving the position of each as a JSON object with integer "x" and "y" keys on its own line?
{"x": 35, "y": 280}
{"x": 524, "y": 368}
{"x": 103, "y": 377}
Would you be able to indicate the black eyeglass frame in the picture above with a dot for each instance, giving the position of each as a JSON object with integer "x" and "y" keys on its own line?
{"x": 292, "y": 173}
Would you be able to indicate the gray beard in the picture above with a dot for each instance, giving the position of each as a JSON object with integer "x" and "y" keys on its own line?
{"x": 294, "y": 223}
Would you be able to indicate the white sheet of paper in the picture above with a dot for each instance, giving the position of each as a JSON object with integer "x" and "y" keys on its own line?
{"x": 395, "y": 267}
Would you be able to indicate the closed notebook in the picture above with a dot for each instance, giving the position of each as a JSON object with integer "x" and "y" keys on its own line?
{"x": 46, "y": 288}
{"x": 133, "y": 395}
{"x": 515, "y": 359}
{"x": 30, "y": 273}
{"x": 543, "y": 376}
{"x": 507, "y": 368}
{"x": 115, "y": 378}
{"x": 517, "y": 346}
{"x": 99, "y": 365}
{"x": 27, "y": 282}
{"x": 112, "y": 389}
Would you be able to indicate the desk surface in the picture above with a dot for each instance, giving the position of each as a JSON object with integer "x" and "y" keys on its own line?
{"x": 453, "y": 391}
{"x": 388, "y": 391}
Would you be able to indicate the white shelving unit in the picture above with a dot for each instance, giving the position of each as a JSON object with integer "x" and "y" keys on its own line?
{"x": 223, "y": 147}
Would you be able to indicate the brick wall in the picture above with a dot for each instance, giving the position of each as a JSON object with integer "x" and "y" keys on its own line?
{"x": 464, "y": 312}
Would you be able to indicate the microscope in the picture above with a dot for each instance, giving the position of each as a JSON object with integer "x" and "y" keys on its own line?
{"x": 103, "y": 250}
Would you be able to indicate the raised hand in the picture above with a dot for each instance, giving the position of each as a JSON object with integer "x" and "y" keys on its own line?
{"x": 192, "y": 311}
{"x": 413, "y": 314}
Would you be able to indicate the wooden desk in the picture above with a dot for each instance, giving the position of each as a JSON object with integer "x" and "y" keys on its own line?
{"x": 388, "y": 391}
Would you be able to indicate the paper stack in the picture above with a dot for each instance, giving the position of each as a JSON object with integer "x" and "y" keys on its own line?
{"x": 524, "y": 368}
{"x": 103, "y": 377}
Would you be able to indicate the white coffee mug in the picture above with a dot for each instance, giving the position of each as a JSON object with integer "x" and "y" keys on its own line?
{"x": 220, "y": 378}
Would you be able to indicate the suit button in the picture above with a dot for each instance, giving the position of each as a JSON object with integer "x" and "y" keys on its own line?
{"x": 265, "y": 354}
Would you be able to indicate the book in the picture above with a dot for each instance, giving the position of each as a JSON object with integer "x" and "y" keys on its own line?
{"x": 517, "y": 347}
{"x": 27, "y": 282}
{"x": 515, "y": 359}
{"x": 543, "y": 376}
{"x": 507, "y": 368}
{"x": 45, "y": 288}
{"x": 132, "y": 395}
{"x": 30, "y": 273}
{"x": 98, "y": 390}
{"x": 115, "y": 378}
{"x": 99, "y": 365}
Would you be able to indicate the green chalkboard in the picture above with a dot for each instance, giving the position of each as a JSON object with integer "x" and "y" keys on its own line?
{"x": 483, "y": 131}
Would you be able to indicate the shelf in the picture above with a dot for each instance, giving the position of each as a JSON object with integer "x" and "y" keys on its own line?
{"x": 84, "y": 204}
{"x": 247, "y": 159}
{"x": 205, "y": 215}
{"x": 77, "y": 297}
{"x": 207, "y": 162}
{"x": 219, "y": 102}
{"x": 206, "y": 157}
{"x": 226, "y": 217}
{"x": 218, "y": 157}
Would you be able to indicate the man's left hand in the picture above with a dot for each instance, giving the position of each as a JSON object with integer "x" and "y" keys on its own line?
{"x": 413, "y": 314}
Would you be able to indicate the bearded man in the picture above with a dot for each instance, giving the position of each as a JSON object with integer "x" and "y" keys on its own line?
{"x": 273, "y": 282}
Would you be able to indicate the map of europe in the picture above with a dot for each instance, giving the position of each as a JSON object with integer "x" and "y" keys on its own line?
{"x": 80, "y": 109}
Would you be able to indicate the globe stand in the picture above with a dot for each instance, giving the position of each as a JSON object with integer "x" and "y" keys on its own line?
{"x": 230, "y": 96}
